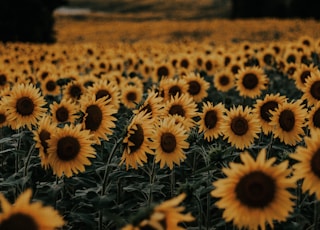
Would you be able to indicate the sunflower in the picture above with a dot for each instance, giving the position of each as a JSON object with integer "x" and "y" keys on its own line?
{"x": 25, "y": 215}
{"x": 313, "y": 119}
{"x": 169, "y": 214}
{"x": 311, "y": 90}
{"x": 64, "y": 111}
{"x": 170, "y": 142}
{"x": 211, "y": 64}
{"x": 98, "y": 117}
{"x": 262, "y": 108}
{"x": 153, "y": 104}
{"x": 162, "y": 70}
{"x": 3, "y": 115}
{"x": 211, "y": 119}
{"x": 290, "y": 69}
{"x": 197, "y": 86}
{"x": 250, "y": 81}
{"x": 166, "y": 215}
{"x": 240, "y": 126}
{"x": 302, "y": 73}
{"x": 69, "y": 149}
{"x": 131, "y": 96}
{"x": 41, "y": 135}
{"x": 266, "y": 58}
{"x": 170, "y": 87}
{"x": 183, "y": 106}
{"x": 49, "y": 86}
{"x": 289, "y": 121}
{"x": 255, "y": 192}
{"x": 137, "y": 141}
{"x": 25, "y": 106}
{"x": 74, "y": 90}
{"x": 307, "y": 168}
{"x": 224, "y": 80}
{"x": 291, "y": 55}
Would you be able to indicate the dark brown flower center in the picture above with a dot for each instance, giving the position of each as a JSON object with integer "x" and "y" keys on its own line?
{"x": 224, "y": 80}
{"x": 102, "y": 93}
{"x": 286, "y": 120}
{"x": 162, "y": 71}
{"x": 291, "y": 58}
{"x": 62, "y": 114}
{"x": 184, "y": 63}
{"x": 93, "y": 118}
{"x": 131, "y": 96}
{"x": 250, "y": 81}
{"x": 51, "y": 86}
{"x": 177, "y": 109}
{"x": 315, "y": 90}
{"x": 136, "y": 138}
{"x": 256, "y": 190}
{"x": 3, "y": 79}
{"x": 208, "y": 65}
{"x": 316, "y": 118}
{"x": 19, "y": 221}
{"x": 239, "y": 126}
{"x": 268, "y": 59}
{"x": 235, "y": 69}
{"x": 194, "y": 88}
{"x": 25, "y": 106}
{"x": 3, "y": 118}
{"x": 168, "y": 142}
{"x": 44, "y": 135}
{"x": 265, "y": 110}
{"x": 210, "y": 119}
{"x": 75, "y": 91}
{"x": 174, "y": 90}
{"x": 304, "y": 75}
{"x": 315, "y": 163}
{"x": 68, "y": 148}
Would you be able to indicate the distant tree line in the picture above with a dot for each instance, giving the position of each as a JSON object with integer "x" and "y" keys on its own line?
{"x": 28, "y": 20}
{"x": 275, "y": 8}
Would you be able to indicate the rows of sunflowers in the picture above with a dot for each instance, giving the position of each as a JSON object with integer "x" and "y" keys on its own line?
{"x": 160, "y": 136}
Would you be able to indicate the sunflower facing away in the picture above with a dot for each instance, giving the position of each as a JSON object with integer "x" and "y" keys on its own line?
{"x": 165, "y": 216}
{"x": 41, "y": 135}
{"x": 250, "y": 81}
{"x": 69, "y": 149}
{"x": 25, "y": 215}
{"x": 64, "y": 111}
{"x": 211, "y": 119}
{"x": 137, "y": 143}
{"x": 262, "y": 108}
{"x": 289, "y": 121}
{"x": 170, "y": 142}
{"x": 254, "y": 192}
{"x": 24, "y": 106}
{"x": 240, "y": 126}
{"x": 308, "y": 167}
{"x": 98, "y": 117}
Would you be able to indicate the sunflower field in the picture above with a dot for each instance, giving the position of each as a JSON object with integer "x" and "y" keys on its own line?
{"x": 160, "y": 135}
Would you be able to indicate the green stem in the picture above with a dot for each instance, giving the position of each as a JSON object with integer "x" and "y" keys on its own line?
{"x": 25, "y": 172}
{"x": 172, "y": 182}
{"x": 106, "y": 172}
{"x": 152, "y": 178}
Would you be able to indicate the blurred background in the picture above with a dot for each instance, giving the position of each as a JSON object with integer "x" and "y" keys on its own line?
{"x": 33, "y": 20}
